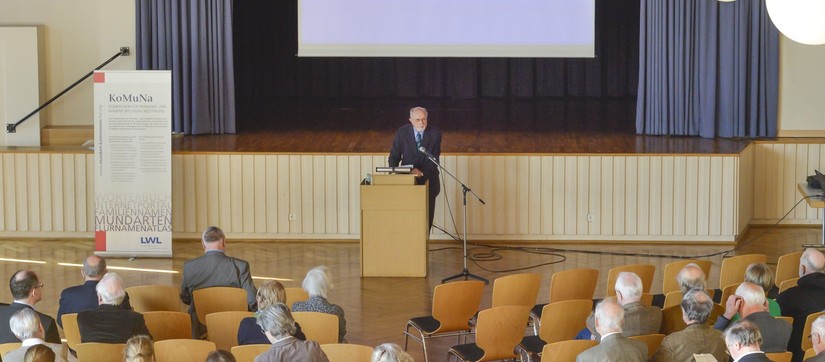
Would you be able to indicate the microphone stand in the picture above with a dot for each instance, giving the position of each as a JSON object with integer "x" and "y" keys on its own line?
{"x": 465, "y": 273}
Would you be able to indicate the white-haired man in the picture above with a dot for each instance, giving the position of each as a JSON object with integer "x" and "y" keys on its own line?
{"x": 742, "y": 340}
{"x": 109, "y": 323}
{"x": 84, "y": 296}
{"x": 613, "y": 345}
{"x": 26, "y": 326}
{"x": 751, "y": 304}
{"x": 818, "y": 340}
{"x": 805, "y": 298}
{"x": 691, "y": 277}
{"x": 639, "y": 318}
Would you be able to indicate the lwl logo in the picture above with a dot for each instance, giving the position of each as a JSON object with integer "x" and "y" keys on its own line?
{"x": 150, "y": 240}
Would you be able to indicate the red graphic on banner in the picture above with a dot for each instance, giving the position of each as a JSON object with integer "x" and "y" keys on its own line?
{"x": 100, "y": 240}
{"x": 100, "y": 77}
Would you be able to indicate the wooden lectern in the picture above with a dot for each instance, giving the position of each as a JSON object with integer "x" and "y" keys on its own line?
{"x": 394, "y": 221}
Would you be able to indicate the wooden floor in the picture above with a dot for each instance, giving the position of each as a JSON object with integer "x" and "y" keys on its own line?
{"x": 377, "y": 308}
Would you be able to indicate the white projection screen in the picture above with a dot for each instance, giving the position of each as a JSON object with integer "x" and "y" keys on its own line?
{"x": 446, "y": 28}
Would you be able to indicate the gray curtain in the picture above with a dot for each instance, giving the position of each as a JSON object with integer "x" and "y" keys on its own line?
{"x": 707, "y": 68}
{"x": 193, "y": 39}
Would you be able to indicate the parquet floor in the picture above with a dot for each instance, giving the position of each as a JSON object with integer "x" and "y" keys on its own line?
{"x": 378, "y": 308}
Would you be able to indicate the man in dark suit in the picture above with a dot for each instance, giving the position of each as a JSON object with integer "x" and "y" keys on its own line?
{"x": 808, "y": 296}
{"x": 26, "y": 290}
{"x": 214, "y": 269}
{"x": 742, "y": 340}
{"x": 84, "y": 297}
{"x": 109, "y": 323}
{"x": 751, "y": 304}
{"x": 404, "y": 151}
{"x": 818, "y": 340}
{"x": 613, "y": 345}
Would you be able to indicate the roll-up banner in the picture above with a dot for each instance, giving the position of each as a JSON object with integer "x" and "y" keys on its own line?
{"x": 133, "y": 163}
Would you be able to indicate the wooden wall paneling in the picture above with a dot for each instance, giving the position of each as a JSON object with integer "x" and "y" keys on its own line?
{"x": 582, "y": 195}
{"x": 331, "y": 194}
{"x": 607, "y": 198}
{"x": 746, "y": 193}
{"x": 271, "y": 190}
{"x": 214, "y": 208}
{"x": 679, "y": 204}
{"x": 715, "y": 200}
{"x": 190, "y": 195}
{"x": 284, "y": 194}
{"x": 728, "y": 196}
{"x": 813, "y": 163}
{"x": 594, "y": 195}
{"x": 497, "y": 212}
{"x": 643, "y": 215}
{"x": 655, "y": 196}
{"x": 441, "y": 215}
{"x": 21, "y": 192}
{"x": 248, "y": 193}
{"x": 201, "y": 188}
{"x": 33, "y": 181}
{"x": 559, "y": 191}
{"x": 801, "y": 171}
{"x": 58, "y": 209}
{"x": 80, "y": 192}
{"x": 354, "y": 194}
{"x": 224, "y": 194}
{"x": 570, "y": 195}
{"x": 546, "y": 185}
{"x": 477, "y": 181}
{"x": 343, "y": 194}
{"x": 486, "y": 212}
{"x": 178, "y": 207}
{"x": 703, "y": 197}
{"x": 9, "y": 194}
{"x": 90, "y": 192}
{"x": 237, "y": 183}
{"x": 667, "y": 192}
{"x": 619, "y": 196}
{"x": 759, "y": 180}
{"x": 318, "y": 216}
{"x": 789, "y": 195}
{"x": 300, "y": 194}
{"x": 510, "y": 212}
{"x": 632, "y": 196}
{"x": 535, "y": 195}
{"x": 69, "y": 204}
{"x": 523, "y": 195}
{"x": 691, "y": 194}
{"x": 45, "y": 191}
{"x": 773, "y": 190}
{"x": 454, "y": 191}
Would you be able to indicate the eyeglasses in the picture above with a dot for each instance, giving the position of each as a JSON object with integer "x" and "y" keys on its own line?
{"x": 39, "y": 286}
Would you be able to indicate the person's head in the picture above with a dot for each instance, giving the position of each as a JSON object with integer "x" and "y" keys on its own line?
{"x": 139, "y": 349}
{"x": 812, "y": 261}
{"x": 753, "y": 299}
{"x": 818, "y": 334}
{"x": 25, "y": 287}
{"x": 276, "y": 321}
{"x": 213, "y": 239}
{"x": 318, "y": 281}
{"x": 390, "y": 352}
{"x": 609, "y": 317}
{"x": 691, "y": 277}
{"x": 39, "y": 353}
{"x": 25, "y": 324}
{"x": 418, "y": 118}
{"x": 269, "y": 293}
{"x": 94, "y": 267}
{"x": 628, "y": 288}
{"x": 761, "y": 275}
{"x": 696, "y": 306}
{"x": 742, "y": 337}
{"x": 110, "y": 289}
{"x": 220, "y": 356}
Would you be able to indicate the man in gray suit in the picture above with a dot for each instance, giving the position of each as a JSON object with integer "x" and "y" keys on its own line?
{"x": 751, "y": 304}
{"x": 638, "y": 318}
{"x": 214, "y": 269}
{"x": 698, "y": 337}
{"x": 818, "y": 339}
{"x": 614, "y": 347}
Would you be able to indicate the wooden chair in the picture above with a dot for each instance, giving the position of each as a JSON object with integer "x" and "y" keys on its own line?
{"x": 675, "y": 298}
{"x": 182, "y": 350}
{"x": 248, "y": 352}
{"x": 453, "y": 306}
{"x": 733, "y": 268}
{"x": 780, "y": 356}
{"x": 653, "y": 341}
{"x": 647, "y": 299}
{"x": 319, "y": 327}
{"x": 165, "y": 325}
{"x": 788, "y": 284}
{"x": 295, "y": 295}
{"x": 153, "y": 298}
{"x": 517, "y": 289}
{"x": 672, "y": 318}
{"x": 809, "y": 353}
{"x": 727, "y": 291}
{"x": 225, "y": 331}
{"x": 786, "y": 319}
{"x": 8, "y": 347}
{"x": 218, "y": 299}
{"x": 498, "y": 332}
{"x": 71, "y": 330}
{"x": 570, "y": 284}
{"x": 340, "y": 352}
{"x": 99, "y": 352}
{"x": 787, "y": 267}
{"x": 560, "y": 321}
{"x": 644, "y": 271}
{"x": 669, "y": 283}
{"x": 806, "y": 343}
{"x": 566, "y": 351}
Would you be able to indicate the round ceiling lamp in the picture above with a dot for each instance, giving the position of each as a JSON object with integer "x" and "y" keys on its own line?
{"x": 802, "y": 21}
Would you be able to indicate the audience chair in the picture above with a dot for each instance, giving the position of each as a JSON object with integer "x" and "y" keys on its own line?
{"x": 787, "y": 267}
{"x": 786, "y": 319}
{"x": 653, "y": 341}
{"x": 247, "y": 353}
{"x": 517, "y": 289}
{"x": 560, "y": 321}
{"x": 672, "y": 318}
{"x": 675, "y": 298}
{"x": 8, "y": 347}
{"x": 646, "y": 299}
{"x": 223, "y": 328}
{"x": 218, "y": 299}
{"x": 99, "y": 352}
{"x": 727, "y": 291}
{"x": 165, "y": 325}
{"x": 498, "y": 333}
{"x": 788, "y": 284}
{"x": 567, "y": 351}
{"x": 71, "y": 330}
{"x": 154, "y": 298}
{"x": 669, "y": 283}
{"x": 340, "y": 352}
{"x": 319, "y": 327}
{"x": 780, "y": 356}
{"x": 733, "y": 268}
{"x": 295, "y": 295}
{"x": 453, "y": 306}
{"x": 568, "y": 285}
{"x": 806, "y": 343}
{"x": 809, "y": 353}
{"x": 644, "y": 271}
{"x": 182, "y": 350}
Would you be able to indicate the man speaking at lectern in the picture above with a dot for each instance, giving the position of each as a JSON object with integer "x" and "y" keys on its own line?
{"x": 405, "y": 151}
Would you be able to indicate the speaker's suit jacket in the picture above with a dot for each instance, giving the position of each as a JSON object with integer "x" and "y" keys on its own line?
{"x": 6, "y": 336}
{"x": 110, "y": 324}
{"x": 405, "y": 152}
{"x": 615, "y": 348}
{"x": 82, "y": 297}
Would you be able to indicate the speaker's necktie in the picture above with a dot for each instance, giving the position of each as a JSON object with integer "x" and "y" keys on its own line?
{"x": 417, "y": 140}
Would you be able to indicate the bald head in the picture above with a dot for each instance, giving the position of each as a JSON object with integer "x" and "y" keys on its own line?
{"x": 609, "y": 317}
{"x": 818, "y": 334}
{"x": 94, "y": 267}
{"x": 812, "y": 261}
{"x": 691, "y": 277}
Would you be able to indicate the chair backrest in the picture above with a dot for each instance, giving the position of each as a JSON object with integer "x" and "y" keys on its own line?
{"x": 8, "y": 347}
{"x": 500, "y": 329}
{"x": 669, "y": 283}
{"x": 151, "y": 298}
{"x": 779, "y": 356}
{"x": 733, "y": 268}
{"x": 672, "y": 320}
{"x": 646, "y": 299}
{"x": 455, "y": 303}
{"x": 672, "y": 298}
{"x": 164, "y": 325}
{"x": 71, "y": 330}
{"x": 561, "y": 321}
{"x": 644, "y": 271}
{"x": 223, "y": 328}
{"x": 182, "y": 350}
{"x": 99, "y": 352}
{"x": 809, "y": 353}
{"x": 218, "y": 299}
{"x": 341, "y": 352}
{"x": 788, "y": 284}
{"x": 787, "y": 267}
{"x": 727, "y": 291}
{"x": 517, "y": 289}
{"x": 566, "y": 351}
{"x": 806, "y": 343}
{"x": 573, "y": 284}
{"x": 653, "y": 341}
{"x": 786, "y": 319}
{"x": 294, "y": 294}
{"x": 319, "y": 327}
{"x": 248, "y": 352}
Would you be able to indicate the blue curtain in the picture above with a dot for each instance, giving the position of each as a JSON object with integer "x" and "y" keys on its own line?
{"x": 707, "y": 68}
{"x": 193, "y": 39}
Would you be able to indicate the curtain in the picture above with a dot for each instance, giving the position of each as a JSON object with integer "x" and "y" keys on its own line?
{"x": 193, "y": 39}
{"x": 707, "y": 68}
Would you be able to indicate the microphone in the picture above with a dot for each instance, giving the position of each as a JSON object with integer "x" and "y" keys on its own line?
{"x": 424, "y": 151}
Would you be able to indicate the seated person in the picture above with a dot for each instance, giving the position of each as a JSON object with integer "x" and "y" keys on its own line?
{"x": 26, "y": 326}
{"x": 318, "y": 283}
{"x": 761, "y": 275}
{"x": 390, "y": 352}
{"x": 613, "y": 345}
{"x": 84, "y": 297}
{"x": 279, "y": 326}
{"x": 109, "y": 323}
{"x": 139, "y": 349}
{"x": 743, "y": 339}
{"x": 750, "y": 303}
{"x": 268, "y": 294}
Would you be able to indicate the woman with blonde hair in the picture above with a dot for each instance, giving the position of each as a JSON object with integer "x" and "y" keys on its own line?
{"x": 761, "y": 275}
{"x": 269, "y": 293}
{"x": 39, "y": 353}
{"x": 139, "y": 349}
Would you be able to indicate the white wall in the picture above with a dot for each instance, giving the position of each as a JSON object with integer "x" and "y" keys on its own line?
{"x": 801, "y": 89}
{"x": 78, "y": 35}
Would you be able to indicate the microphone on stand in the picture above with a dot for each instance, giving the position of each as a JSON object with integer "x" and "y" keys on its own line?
{"x": 424, "y": 151}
